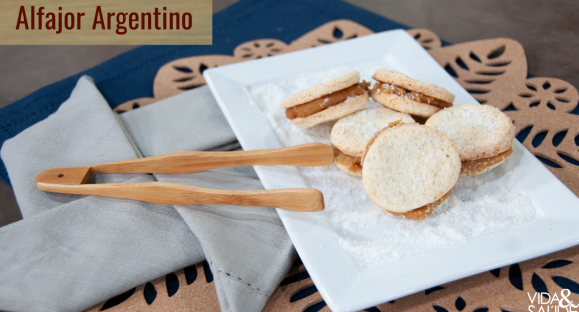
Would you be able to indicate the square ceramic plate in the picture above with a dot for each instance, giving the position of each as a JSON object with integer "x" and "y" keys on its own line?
{"x": 352, "y": 288}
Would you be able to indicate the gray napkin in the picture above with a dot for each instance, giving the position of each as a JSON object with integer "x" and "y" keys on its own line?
{"x": 71, "y": 252}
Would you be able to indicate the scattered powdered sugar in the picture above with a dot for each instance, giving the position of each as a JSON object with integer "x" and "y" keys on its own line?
{"x": 475, "y": 207}
{"x": 478, "y": 205}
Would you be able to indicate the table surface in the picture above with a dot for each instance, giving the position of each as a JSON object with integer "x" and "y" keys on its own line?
{"x": 548, "y": 31}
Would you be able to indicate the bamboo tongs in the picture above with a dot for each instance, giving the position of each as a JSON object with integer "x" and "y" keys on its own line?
{"x": 73, "y": 180}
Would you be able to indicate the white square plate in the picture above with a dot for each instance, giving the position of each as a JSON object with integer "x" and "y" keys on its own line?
{"x": 342, "y": 284}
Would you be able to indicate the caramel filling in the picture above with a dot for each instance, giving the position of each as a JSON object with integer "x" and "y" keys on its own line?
{"x": 422, "y": 212}
{"x": 385, "y": 88}
{"x": 354, "y": 164}
{"x": 326, "y": 101}
{"x": 474, "y": 167}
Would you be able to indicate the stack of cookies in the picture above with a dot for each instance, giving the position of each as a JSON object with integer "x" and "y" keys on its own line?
{"x": 407, "y": 168}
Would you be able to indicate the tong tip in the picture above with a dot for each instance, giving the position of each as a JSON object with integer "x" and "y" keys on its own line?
{"x": 69, "y": 176}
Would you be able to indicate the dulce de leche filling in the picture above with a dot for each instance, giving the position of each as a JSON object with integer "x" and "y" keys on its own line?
{"x": 422, "y": 212}
{"x": 326, "y": 101}
{"x": 474, "y": 167}
{"x": 354, "y": 164}
{"x": 385, "y": 88}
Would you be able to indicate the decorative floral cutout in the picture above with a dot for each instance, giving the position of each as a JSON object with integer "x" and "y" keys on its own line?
{"x": 426, "y": 38}
{"x": 256, "y": 49}
{"x": 553, "y": 93}
{"x": 542, "y": 109}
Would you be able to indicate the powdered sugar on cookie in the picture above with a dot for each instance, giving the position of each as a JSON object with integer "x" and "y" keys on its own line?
{"x": 352, "y": 133}
{"x": 478, "y": 131}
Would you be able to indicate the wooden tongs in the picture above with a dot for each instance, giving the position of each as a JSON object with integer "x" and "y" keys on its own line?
{"x": 73, "y": 180}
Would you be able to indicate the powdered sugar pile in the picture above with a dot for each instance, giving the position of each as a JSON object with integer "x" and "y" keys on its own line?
{"x": 478, "y": 205}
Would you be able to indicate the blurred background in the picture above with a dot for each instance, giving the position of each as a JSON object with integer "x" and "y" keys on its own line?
{"x": 548, "y": 31}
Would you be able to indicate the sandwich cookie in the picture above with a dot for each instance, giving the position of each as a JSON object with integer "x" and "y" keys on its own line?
{"x": 409, "y": 170}
{"x": 327, "y": 101}
{"x": 482, "y": 134}
{"x": 351, "y": 134}
{"x": 404, "y": 94}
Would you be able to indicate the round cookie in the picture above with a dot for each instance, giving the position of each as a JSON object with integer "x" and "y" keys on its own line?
{"x": 351, "y": 134}
{"x": 408, "y": 167}
{"x": 409, "y": 102}
{"x": 332, "y": 88}
{"x": 482, "y": 134}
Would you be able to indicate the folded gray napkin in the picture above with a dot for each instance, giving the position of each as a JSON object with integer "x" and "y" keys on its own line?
{"x": 71, "y": 252}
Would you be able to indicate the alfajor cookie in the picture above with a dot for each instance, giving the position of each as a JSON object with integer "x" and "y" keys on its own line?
{"x": 404, "y": 94}
{"x": 410, "y": 169}
{"x": 327, "y": 101}
{"x": 351, "y": 134}
{"x": 482, "y": 134}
